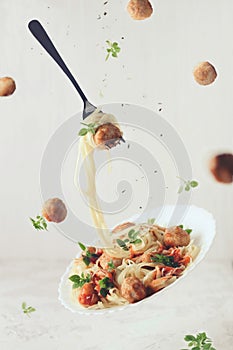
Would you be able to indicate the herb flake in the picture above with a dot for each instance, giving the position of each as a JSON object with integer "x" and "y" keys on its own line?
{"x": 113, "y": 49}
{"x": 88, "y": 128}
{"x": 165, "y": 260}
{"x": 79, "y": 281}
{"x": 39, "y": 223}
{"x": 27, "y": 309}
{"x": 187, "y": 185}
{"x": 200, "y": 342}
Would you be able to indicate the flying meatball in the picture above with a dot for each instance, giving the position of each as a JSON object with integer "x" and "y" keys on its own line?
{"x": 54, "y": 210}
{"x": 132, "y": 289}
{"x": 204, "y": 73}
{"x": 107, "y": 135}
{"x": 176, "y": 236}
{"x": 7, "y": 86}
{"x": 221, "y": 166}
{"x": 139, "y": 9}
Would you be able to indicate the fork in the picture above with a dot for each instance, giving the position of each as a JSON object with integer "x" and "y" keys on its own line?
{"x": 40, "y": 34}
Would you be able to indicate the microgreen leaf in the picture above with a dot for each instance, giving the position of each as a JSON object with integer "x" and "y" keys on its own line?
{"x": 82, "y": 246}
{"x": 112, "y": 49}
{"x": 111, "y": 266}
{"x": 193, "y": 183}
{"x": 89, "y": 128}
{"x": 39, "y": 223}
{"x": 188, "y": 230}
{"x": 27, "y": 310}
{"x": 105, "y": 285}
{"x": 86, "y": 260}
{"x": 151, "y": 221}
{"x": 122, "y": 244}
{"x": 165, "y": 260}
{"x": 80, "y": 280}
{"x": 187, "y": 184}
{"x": 200, "y": 342}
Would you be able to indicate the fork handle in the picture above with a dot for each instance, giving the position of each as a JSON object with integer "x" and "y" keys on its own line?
{"x": 40, "y": 34}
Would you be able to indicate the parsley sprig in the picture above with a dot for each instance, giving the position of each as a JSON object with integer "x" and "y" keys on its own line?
{"x": 113, "y": 49}
{"x": 105, "y": 285}
{"x": 188, "y": 230}
{"x": 200, "y": 342}
{"x": 87, "y": 255}
{"x": 79, "y": 281}
{"x": 165, "y": 260}
{"x": 132, "y": 234}
{"x": 187, "y": 184}
{"x": 27, "y": 309}
{"x": 89, "y": 128}
{"x": 39, "y": 223}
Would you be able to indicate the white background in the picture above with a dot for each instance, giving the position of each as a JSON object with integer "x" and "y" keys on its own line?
{"x": 155, "y": 66}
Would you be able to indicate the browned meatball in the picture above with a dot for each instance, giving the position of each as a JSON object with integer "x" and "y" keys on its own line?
{"x": 105, "y": 259}
{"x": 54, "y": 210}
{"x": 88, "y": 296}
{"x": 107, "y": 135}
{"x": 139, "y": 9}
{"x": 176, "y": 236}
{"x": 132, "y": 289}
{"x": 123, "y": 226}
{"x": 221, "y": 167}
{"x": 204, "y": 73}
{"x": 7, "y": 86}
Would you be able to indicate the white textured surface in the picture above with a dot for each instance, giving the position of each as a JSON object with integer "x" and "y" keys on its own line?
{"x": 155, "y": 66}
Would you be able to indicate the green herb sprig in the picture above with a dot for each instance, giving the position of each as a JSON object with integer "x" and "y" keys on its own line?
{"x": 27, "y": 309}
{"x": 39, "y": 223}
{"x": 132, "y": 234}
{"x": 187, "y": 184}
{"x": 151, "y": 221}
{"x": 89, "y": 128}
{"x": 105, "y": 284}
{"x": 87, "y": 256}
{"x": 111, "y": 266}
{"x": 188, "y": 230}
{"x": 79, "y": 281}
{"x": 112, "y": 49}
{"x": 165, "y": 260}
{"x": 199, "y": 342}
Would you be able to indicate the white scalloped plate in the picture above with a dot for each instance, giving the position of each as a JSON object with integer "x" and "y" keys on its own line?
{"x": 203, "y": 226}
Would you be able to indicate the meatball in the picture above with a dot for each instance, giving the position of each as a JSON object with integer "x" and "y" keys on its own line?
{"x": 221, "y": 167}
{"x": 107, "y": 135}
{"x": 7, "y": 86}
{"x": 88, "y": 296}
{"x": 176, "y": 236}
{"x": 104, "y": 259}
{"x": 132, "y": 289}
{"x": 139, "y": 9}
{"x": 123, "y": 226}
{"x": 204, "y": 73}
{"x": 54, "y": 210}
